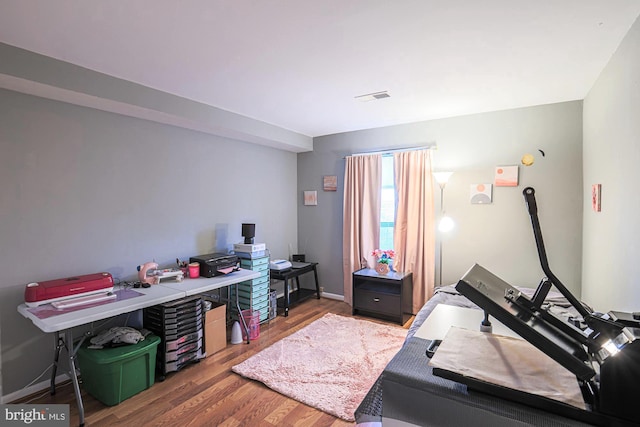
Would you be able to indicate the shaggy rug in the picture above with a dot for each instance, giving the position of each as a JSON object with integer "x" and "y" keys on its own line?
{"x": 330, "y": 364}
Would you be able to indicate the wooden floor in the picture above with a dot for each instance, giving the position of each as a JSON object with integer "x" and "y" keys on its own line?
{"x": 207, "y": 393}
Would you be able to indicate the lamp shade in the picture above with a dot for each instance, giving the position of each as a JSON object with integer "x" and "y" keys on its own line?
{"x": 442, "y": 177}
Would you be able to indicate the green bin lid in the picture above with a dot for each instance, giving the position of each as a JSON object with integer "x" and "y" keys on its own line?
{"x": 115, "y": 354}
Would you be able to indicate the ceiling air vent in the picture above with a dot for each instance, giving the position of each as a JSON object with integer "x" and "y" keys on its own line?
{"x": 373, "y": 96}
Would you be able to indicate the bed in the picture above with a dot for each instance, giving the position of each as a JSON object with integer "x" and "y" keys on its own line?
{"x": 407, "y": 390}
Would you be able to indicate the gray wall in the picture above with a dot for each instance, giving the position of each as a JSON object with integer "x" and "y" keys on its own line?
{"x": 611, "y": 157}
{"x": 85, "y": 191}
{"x": 497, "y": 236}
{"x": 35, "y": 74}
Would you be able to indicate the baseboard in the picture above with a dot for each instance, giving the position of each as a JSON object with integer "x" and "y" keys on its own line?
{"x": 41, "y": 387}
{"x": 409, "y": 322}
{"x": 322, "y": 294}
{"x": 332, "y": 296}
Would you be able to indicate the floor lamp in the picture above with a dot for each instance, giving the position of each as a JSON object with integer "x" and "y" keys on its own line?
{"x": 446, "y": 223}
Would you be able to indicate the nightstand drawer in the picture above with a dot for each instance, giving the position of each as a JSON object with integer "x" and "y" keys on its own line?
{"x": 377, "y": 302}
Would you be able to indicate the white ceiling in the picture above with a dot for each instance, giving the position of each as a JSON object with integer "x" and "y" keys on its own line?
{"x": 298, "y": 64}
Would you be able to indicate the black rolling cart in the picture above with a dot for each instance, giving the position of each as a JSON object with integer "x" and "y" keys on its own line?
{"x": 179, "y": 324}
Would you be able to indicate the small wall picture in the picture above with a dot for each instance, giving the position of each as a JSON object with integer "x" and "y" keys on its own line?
{"x": 330, "y": 183}
{"x": 595, "y": 197}
{"x": 481, "y": 194}
{"x": 310, "y": 198}
{"x": 506, "y": 176}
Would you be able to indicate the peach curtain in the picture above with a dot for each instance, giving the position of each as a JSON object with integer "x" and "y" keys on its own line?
{"x": 414, "y": 232}
{"x": 361, "y": 215}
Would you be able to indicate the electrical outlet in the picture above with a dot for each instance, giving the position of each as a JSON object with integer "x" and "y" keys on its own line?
{"x": 321, "y": 289}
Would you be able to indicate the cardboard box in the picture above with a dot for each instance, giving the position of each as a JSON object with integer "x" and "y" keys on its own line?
{"x": 215, "y": 328}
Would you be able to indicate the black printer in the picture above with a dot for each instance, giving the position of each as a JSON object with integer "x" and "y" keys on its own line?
{"x": 211, "y": 264}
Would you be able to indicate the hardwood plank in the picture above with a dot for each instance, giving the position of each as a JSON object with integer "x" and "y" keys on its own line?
{"x": 208, "y": 392}
{"x": 276, "y": 416}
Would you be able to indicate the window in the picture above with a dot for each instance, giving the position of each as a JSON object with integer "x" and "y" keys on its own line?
{"x": 387, "y": 204}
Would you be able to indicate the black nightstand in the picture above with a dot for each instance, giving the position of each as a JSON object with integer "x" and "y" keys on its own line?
{"x": 388, "y": 296}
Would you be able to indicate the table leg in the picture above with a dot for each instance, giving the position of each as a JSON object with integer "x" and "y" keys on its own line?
{"x": 74, "y": 375}
{"x": 286, "y": 297}
{"x": 315, "y": 275}
{"x": 59, "y": 343}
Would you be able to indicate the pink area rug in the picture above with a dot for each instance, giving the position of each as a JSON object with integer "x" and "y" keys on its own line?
{"x": 330, "y": 364}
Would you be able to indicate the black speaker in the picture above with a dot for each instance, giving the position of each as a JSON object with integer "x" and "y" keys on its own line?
{"x": 248, "y": 232}
{"x": 297, "y": 257}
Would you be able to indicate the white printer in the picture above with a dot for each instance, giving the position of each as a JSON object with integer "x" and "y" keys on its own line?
{"x": 279, "y": 264}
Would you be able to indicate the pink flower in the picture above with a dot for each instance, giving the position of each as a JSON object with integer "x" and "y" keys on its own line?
{"x": 384, "y": 256}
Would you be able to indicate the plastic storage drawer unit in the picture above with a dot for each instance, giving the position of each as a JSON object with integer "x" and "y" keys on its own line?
{"x": 112, "y": 375}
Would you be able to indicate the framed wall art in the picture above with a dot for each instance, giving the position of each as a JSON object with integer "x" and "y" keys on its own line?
{"x": 330, "y": 183}
{"x": 506, "y": 176}
{"x": 310, "y": 198}
{"x": 596, "y": 189}
{"x": 481, "y": 194}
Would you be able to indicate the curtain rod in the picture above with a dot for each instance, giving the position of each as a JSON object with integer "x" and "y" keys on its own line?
{"x": 432, "y": 146}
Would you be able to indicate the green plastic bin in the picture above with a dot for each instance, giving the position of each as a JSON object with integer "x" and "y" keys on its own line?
{"x": 112, "y": 375}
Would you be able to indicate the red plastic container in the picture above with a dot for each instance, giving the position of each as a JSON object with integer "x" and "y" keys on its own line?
{"x": 252, "y": 318}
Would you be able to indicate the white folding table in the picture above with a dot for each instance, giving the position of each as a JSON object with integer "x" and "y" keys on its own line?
{"x": 156, "y": 294}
